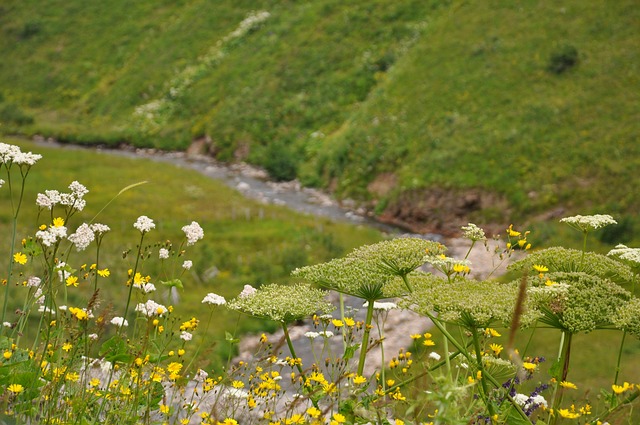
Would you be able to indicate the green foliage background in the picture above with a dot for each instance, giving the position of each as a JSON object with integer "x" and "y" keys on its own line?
{"x": 535, "y": 101}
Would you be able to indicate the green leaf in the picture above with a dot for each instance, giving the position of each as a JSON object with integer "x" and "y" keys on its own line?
{"x": 115, "y": 350}
{"x": 173, "y": 283}
{"x": 32, "y": 248}
{"x": 229, "y": 338}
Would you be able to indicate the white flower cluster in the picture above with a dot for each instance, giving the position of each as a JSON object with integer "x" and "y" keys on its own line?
{"x": 33, "y": 282}
{"x": 163, "y": 254}
{"x": 247, "y": 291}
{"x": 186, "y": 336}
{"x": 1, "y": 182}
{"x": 151, "y": 308}
{"x": 51, "y": 235}
{"x": 314, "y": 335}
{"x": 473, "y": 232}
{"x": 11, "y": 154}
{"x": 144, "y": 224}
{"x": 63, "y": 274}
{"x": 214, "y": 299}
{"x": 100, "y": 229}
{"x": 193, "y": 232}
{"x": 589, "y": 222}
{"x": 528, "y": 402}
{"x": 623, "y": 252}
{"x": 384, "y": 306}
{"x": 119, "y": 322}
{"x": 74, "y": 199}
{"x": 187, "y": 264}
{"x": 82, "y": 237}
{"x": 145, "y": 287}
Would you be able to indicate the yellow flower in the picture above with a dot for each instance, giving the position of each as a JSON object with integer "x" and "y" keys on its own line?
{"x": 181, "y": 352}
{"x": 337, "y": 323}
{"x": 491, "y": 332}
{"x": 15, "y": 388}
{"x": 43, "y": 227}
{"x": 164, "y": 409}
{"x": 416, "y": 336}
{"x": 94, "y": 382}
{"x": 72, "y": 281}
{"x": 339, "y": 418}
{"x": 511, "y": 232}
{"x": 72, "y": 376}
{"x": 529, "y": 367}
{"x": 496, "y": 348}
{"x": 237, "y": 384}
{"x": 428, "y": 343}
{"x": 313, "y": 412}
{"x": 540, "y": 268}
{"x": 20, "y": 258}
{"x": 619, "y": 389}
{"x": 67, "y": 346}
{"x": 104, "y": 273}
{"x": 174, "y": 367}
{"x": 349, "y": 321}
{"x": 7, "y": 354}
{"x": 569, "y": 414}
{"x": 359, "y": 380}
{"x": 229, "y": 421}
{"x": 567, "y": 384}
{"x": 58, "y": 222}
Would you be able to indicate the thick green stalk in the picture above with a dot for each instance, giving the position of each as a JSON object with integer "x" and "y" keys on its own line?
{"x": 292, "y": 350}
{"x": 365, "y": 337}
{"x": 563, "y": 358}
{"x": 483, "y": 374}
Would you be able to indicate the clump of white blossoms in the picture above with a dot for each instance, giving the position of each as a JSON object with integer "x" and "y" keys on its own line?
{"x": 74, "y": 200}
{"x": 144, "y": 224}
{"x": 163, "y": 254}
{"x": 187, "y": 264}
{"x": 193, "y": 232}
{"x": 99, "y": 228}
{"x": 151, "y": 308}
{"x": 214, "y": 299}
{"x": 383, "y": 306}
{"x": 82, "y": 237}
{"x": 11, "y": 154}
{"x": 119, "y": 322}
{"x": 145, "y": 287}
{"x": 584, "y": 223}
{"x": 473, "y": 233}
{"x": 247, "y": 291}
{"x": 1, "y": 182}
{"x": 623, "y": 252}
{"x": 186, "y": 336}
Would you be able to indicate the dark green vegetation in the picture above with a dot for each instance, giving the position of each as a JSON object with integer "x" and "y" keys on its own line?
{"x": 245, "y": 242}
{"x": 492, "y": 110}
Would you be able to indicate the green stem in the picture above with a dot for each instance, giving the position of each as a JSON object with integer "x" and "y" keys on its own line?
{"x": 615, "y": 379}
{"x": 133, "y": 276}
{"x": 292, "y": 350}
{"x": 563, "y": 358}
{"x": 365, "y": 337}
{"x": 483, "y": 375}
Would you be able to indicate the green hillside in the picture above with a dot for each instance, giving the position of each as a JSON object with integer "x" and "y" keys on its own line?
{"x": 430, "y": 113}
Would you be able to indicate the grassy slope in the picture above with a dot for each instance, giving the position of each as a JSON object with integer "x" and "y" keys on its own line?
{"x": 443, "y": 94}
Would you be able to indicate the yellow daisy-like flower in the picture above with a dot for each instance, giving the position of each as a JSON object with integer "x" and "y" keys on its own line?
{"x": 529, "y": 367}
{"x": 511, "y": 232}
{"x": 491, "y": 332}
{"x": 337, "y": 323}
{"x": 359, "y": 380}
{"x": 349, "y": 322}
{"x": 72, "y": 281}
{"x": 20, "y": 258}
{"x": 568, "y": 414}
{"x": 58, "y": 222}
{"x": 428, "y": 343}
{"x": 540, "y": 268}
{"x": 567, "y": 384}
{"x": 237, "y": 384}
{"x": 416, "y": 336}
{"x": 619, "y": 389}
{"x": 15, "y": 388}
{"x": 43, "y": 227}
{"x": 339, "y": 418}
{"x": 104, "y": 273}
{"x": 67, "y": 346}
{"x": 7, "y": 354}
{"x": 496, "y": 348}
{"x": 314, "y": 412}
{"x": 164, "y": 409}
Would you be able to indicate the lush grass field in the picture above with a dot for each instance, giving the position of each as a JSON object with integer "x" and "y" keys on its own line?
{"x": 534, "y": 103}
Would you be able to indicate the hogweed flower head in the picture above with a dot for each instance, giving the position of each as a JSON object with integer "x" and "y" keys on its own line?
{"x": 630, "y": 256}
{"x": 468, "y": 302}
{"x": 586, "y": 223}
{"x": 398, "y": 256}
{"x": 473, "y": 233}
{"x": 283, "y": 303}
{"x": 354, "y": 276}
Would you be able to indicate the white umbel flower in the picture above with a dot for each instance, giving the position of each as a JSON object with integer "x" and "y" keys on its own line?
{"x": 193, "y": 232}
{"x": 144, "y": 224}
